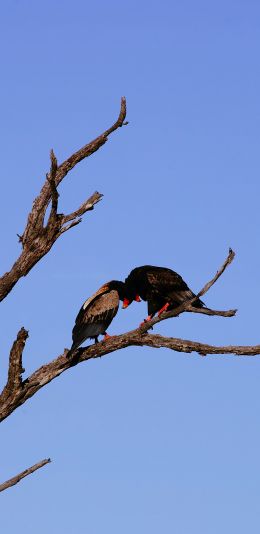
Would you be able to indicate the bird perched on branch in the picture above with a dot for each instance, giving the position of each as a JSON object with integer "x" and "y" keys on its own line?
{"x": 162, "y": 288}
{"x": 97, "y": 313}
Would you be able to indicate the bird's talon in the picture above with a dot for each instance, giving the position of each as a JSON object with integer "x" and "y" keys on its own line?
{"x": 106, "y": 336}
{"x": 149, "y": 318}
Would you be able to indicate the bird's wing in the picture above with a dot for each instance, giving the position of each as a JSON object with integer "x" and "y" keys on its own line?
{"x": 95, "y": 315}
{"x": 166, "y": 280}
{"x": 169, "y": 285}
{"x": 103, "y": 289}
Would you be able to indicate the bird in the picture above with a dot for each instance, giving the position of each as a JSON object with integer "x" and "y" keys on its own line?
{"x": 161, "y": 287}
{"x": 97, "y": 313}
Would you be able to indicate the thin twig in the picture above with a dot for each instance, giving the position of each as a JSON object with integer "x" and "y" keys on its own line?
{"x": 70, "y": 225}
{"x": 12, "y": 481}
{"x": 226, "y": 263}
{"x": 88, "y": 205}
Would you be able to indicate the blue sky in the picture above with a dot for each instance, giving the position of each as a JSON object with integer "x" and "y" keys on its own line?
{"x": 143, "y": 440}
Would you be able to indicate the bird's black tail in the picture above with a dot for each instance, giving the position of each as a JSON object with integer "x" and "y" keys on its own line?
{"x": 69, "y": 353}
{"x": 74, "y": 347}
{"x": 188, "y": 295}
{"x": 198, "y": 303}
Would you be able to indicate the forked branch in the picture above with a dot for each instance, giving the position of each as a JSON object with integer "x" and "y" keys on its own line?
{"x": 75, "y": 216}
{"x": 187, "y": 305}
{"x": 55, "y": 368}
{"x": 38, "y": 238}
{"x": 137, "y": 337}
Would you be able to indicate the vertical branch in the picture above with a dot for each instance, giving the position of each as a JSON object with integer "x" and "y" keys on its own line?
{"x": 14, "y": 380}
{"x": 51, "y": 177}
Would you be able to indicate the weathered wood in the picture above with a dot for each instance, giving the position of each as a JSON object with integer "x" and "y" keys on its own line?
{"x": 37, "y": 238}
{"x": 14, "y": 480}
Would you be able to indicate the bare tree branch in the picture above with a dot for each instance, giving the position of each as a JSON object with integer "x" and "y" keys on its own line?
{"x": 70, "y": 225}
{"x": 12, "y": 398}
{"x": 86, "y": 206}
{"x": 29, "y": 471}
{"x": 51, "y": 177}
{"x": 37, "y": 238}
{"x": 55, "y": 368}
{"x": 227, "y": 262}
{"x": 187, "y": 305}
{"x": 14, "y": 381}
{"x": 209, "y": 311}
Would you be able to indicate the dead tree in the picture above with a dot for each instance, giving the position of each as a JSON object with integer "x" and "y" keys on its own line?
{"x": 37, "y": 240}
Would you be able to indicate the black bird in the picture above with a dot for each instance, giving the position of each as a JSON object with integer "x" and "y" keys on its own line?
{"x": 162, "y": 288}
{"x": 97, "y": 313}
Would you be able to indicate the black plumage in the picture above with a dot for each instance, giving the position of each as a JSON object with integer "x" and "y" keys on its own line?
{"x": 160, "y": 287}
{"x": 97, "y": 313}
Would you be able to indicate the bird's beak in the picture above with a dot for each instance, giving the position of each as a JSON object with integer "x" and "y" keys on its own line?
{"x": 138, "y": 298}
{"x": 126, "y": 303}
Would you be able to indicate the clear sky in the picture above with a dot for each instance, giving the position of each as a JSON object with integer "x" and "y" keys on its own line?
{"x": 142, "y": 440}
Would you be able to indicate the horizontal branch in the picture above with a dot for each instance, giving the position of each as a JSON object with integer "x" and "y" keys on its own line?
{"x": 38, "y": 237}
{"x": 184, "y": 345}
{"x": 209, "y": 311}
{"x": 139, "y": 337}
{"x": 12, "y": 481}
{"x": 52, "y": 370}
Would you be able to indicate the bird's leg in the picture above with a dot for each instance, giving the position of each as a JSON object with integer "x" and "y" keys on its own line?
{"x": 164, "y": 308}
{"x": 147, "y": 320}
{"x": 96, "y": 339}
{"x": 106, "y": 336}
